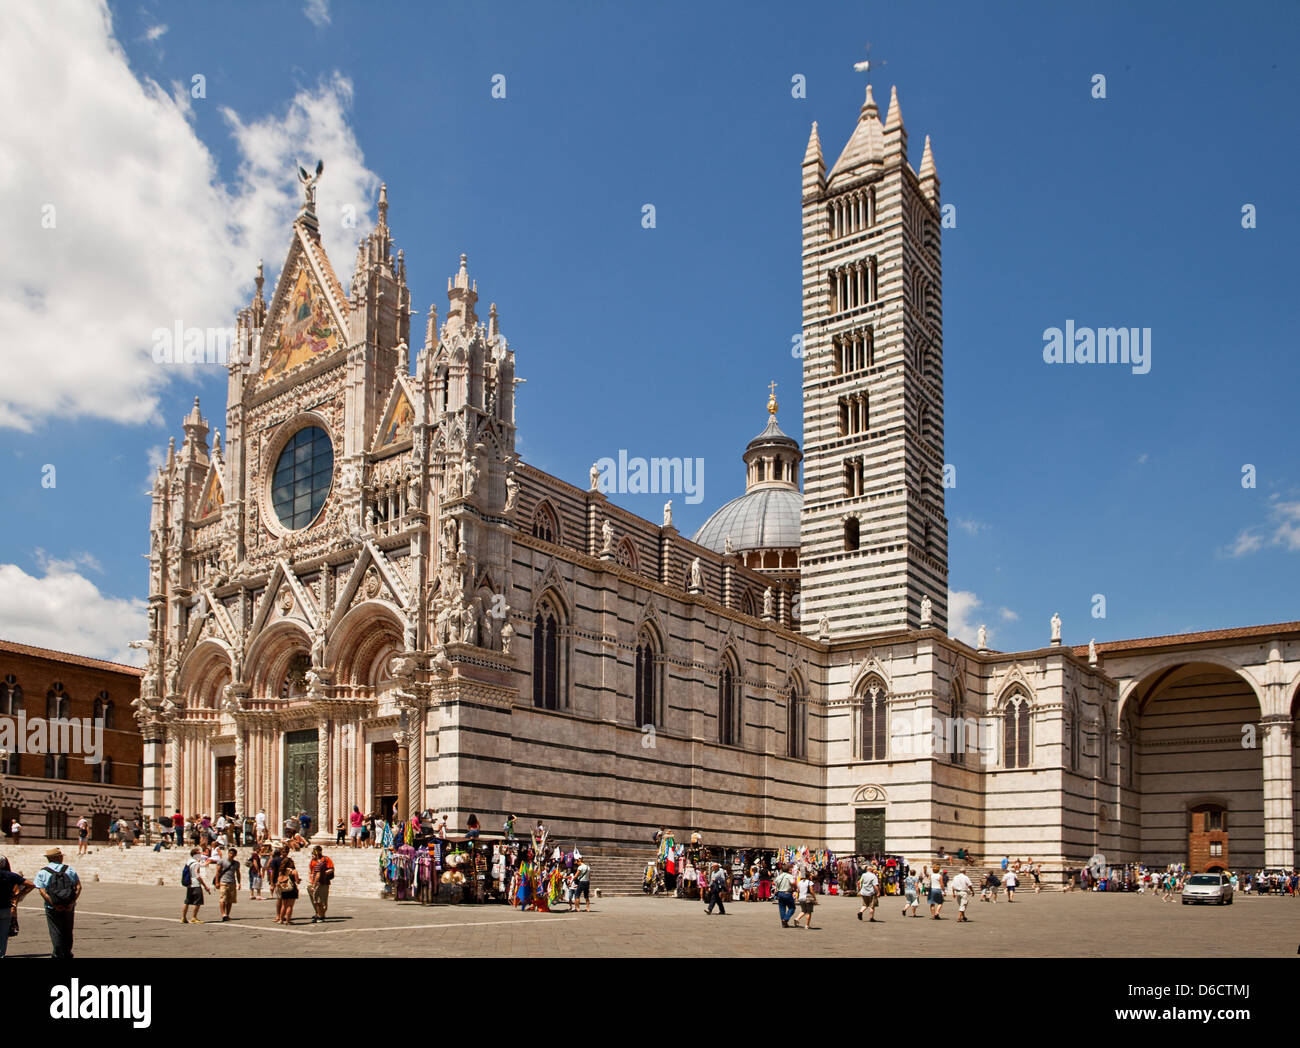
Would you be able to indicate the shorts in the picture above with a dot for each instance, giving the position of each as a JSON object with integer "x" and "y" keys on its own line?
{"x": 936, "y": 896}
{"x": 870, "y": 899}
{"x": 254, "y": 882}
{"x": 319, "y": 895}
{"x": 911, "y": 897}
{"x": 807, "y": 905}
{"x": 228, "y": 892}
{"x": 355, "y": 833}
{"x": 583, "y": 889}
{"x": 193, "y": 895}
{"x": 962, "y": 899}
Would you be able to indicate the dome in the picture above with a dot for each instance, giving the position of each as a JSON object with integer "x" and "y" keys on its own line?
{"x": 764, "y": 518}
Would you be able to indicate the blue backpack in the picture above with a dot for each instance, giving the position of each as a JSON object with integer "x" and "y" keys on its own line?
{"x": 186, "y": 879}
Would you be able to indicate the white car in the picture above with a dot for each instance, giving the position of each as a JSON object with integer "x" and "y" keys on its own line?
{"x": 1208, "y": 887}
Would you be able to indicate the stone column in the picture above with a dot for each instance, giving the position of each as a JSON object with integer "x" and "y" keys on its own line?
{"x": 241, "y": 805}
{"x": 324, "y": 820}
{"x": 1279, "y": 830}
{"x": 403, "y": 739}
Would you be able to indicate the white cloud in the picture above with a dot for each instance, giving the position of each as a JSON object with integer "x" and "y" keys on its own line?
{"x": 116, "y": 222}
{"x": 967, "y": 524}
{"x": 154, "y": 33}
{"x": 317, "y": 12}
{"x": 1282, "y": 530}
{"x": 64, "y": 610}
{"x": 1007, "y": 615}
{"x": 962, "y": 606}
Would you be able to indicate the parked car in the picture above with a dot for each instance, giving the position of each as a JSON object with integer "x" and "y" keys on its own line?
{"x": 1208, "y": 887}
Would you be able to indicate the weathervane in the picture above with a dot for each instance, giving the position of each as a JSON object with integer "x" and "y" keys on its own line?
{"x": 867, "y": 65}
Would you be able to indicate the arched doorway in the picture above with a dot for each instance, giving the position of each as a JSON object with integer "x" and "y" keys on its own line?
{"x": 1197, "y": 731}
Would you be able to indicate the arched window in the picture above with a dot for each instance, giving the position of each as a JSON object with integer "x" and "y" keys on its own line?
{"x": 1103, "y": 747}
{"x": 57, "y": 703}
{"x": 11, "y": 696}
{"x": 1074, "y": 733}
{"x": 851, "y": 535}
{"x": 647, "y": 706}
{"x": 1015, "y": 730}
{"x": 747, "y": 603}
{"x": 873, "y": 720}
{"x": 56, "y": 766}
{"x": 545, "y": 524}
{"x": 729, "y": 703}
{"x": 796, "y": 724}
{"x": 546, "y": 656}
{"x": 104, "y": 773}
{"x": 625, "y": 555}
{"x": 957, "y": 735}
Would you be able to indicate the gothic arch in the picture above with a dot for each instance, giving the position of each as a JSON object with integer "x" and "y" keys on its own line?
{"x": 1157, "y": 672}
{"x": 871, "y": 696}
{"x": 871, "y": 793}
{"x": 206, "y": 671}
{"x": 731, "y": 718}
{"x": 363, "y": 642}
{"x": 625, "y": 554}
{"x": 551, "y": 647}
{"x": 872, "y": 666}
{"x": 545, "y": 523}
{"x": 269, "y": 657}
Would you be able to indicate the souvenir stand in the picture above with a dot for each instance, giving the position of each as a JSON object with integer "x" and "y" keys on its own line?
{"x": 417, "y": 865}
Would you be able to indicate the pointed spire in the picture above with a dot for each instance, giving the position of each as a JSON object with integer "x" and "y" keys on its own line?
{"x": 869, "y": 106}
{"x": 893, "y": 118}
{"x": 813, "y": 154}
{"x": 431, "y": 329}
{"x": 260, "y": 281}
{"x": 171, "y": 453}
{"x": 194, "y": 418}
{"x": 865, "y": 145}
{"x": 383, "y": 205}
{"x": 461, "y": 294}
{"x": 493, "y": 328}
{"x": 927, "y": 176}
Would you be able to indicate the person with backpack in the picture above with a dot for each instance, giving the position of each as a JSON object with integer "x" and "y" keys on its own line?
{"x": 320, "y": 873}
{"x": 13, "y": 888}
{"x": 194, "y": 885}
{"x": 60, "y": 887}
{"x": 869, "y": 892}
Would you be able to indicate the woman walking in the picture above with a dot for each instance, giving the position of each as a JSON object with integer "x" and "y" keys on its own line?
{"x": 909, "y": 893}
{"x": 807, "y": 899}
{"x": 288, "y": 884}
{"x": 936, "y": 893}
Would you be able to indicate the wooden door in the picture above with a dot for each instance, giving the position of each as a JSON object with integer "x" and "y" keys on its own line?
{"x": 869, "y": 831}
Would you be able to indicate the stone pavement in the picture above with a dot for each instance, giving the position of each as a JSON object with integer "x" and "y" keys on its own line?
{"x": 142, "y": 921}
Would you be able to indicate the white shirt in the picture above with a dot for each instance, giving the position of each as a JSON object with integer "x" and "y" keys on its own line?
{"x": 936, "y": 881}
{"x": 962, "y": 883}
{"x": 1012, "y": 880}
{"x": 805, "y": 887}
{"x": 868, "y": 884}
{"x": 261, "y": 818}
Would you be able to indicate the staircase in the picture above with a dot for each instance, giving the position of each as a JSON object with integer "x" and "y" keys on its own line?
{"x": 356, "y": 871}
{"x": 617, "y": 871}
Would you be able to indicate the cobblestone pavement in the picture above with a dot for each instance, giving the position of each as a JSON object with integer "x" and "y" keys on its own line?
{"x": 137, "y": 921}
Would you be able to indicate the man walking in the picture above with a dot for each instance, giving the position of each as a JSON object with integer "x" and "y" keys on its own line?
{"x": 783, "y": 888}
{"x": 194, "y": 885}
{"x": 1011, "y": 883}
{"x": 60, "y": 888}
{"x": 717, "y": 881}
{"x": 869, "y": 892}
{"x": 260, "y": 822}
{"x": 962, "y": 889}
{"x": 582, "y": 884}
{"x": 320, "y": 872}
{"x": 228, "y": 883}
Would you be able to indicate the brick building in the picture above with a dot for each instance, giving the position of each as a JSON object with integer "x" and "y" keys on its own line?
{"x": 49, "y": 779}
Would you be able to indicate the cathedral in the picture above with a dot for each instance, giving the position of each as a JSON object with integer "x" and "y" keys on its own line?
{"x": 364, "y": 595}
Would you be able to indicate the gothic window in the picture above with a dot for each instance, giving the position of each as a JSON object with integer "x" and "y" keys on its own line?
{"x": 873, "y": 721}
{"x": 546, "y": 656}
{"x": 1103, "y": 748}
{"x": 56, "y": 766}
{"x": 104, "y": 771}
{"x": 957, "y": 735}
{"x": 294, "y": 684}
{"x": 646, "y": 707}
{"x": 302, "y": 477}
{"x": 729, "y": 703}
{"x": 545, "y": 525}
{"x": 57, "y": 703}
{"x": 56, "y": 824}
{"x": 1016, "y": 716}
{"x": 11, "y": 695}
{"x": 747, "y": 603}
{"x": 851, "y": 535}
{"x": 625, "y": 555}
{"x": 796, "y": 724}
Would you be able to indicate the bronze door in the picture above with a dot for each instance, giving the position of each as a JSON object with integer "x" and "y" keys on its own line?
{"x": 301, "y": 765}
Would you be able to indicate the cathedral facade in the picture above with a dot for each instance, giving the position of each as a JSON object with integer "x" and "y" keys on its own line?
{"x": 366, "y": 596}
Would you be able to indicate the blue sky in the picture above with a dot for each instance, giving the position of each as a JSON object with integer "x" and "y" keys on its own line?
{"x": 1124, "y": 211}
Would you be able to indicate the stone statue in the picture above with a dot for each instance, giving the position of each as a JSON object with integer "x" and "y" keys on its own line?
{"x": 824, "y": 628}
{"x": 309, "y": 184}
{"x": 371, "y": 517}
{"x": 1056, "y": 628}
{"x": 314, "y": 684}
{"x": 453, "y": 481}
{"x": 413, "y": 492}
{"x": 982, "y": 639}
{"x": 768, "y": 603}
{"x": 697, "y": 577}
{"x": 450, "y": 534}
{"x": 512, "y": 493}
{"x": 471, "y": 474}
{"x": 507, "y": 635}
{"x": 595, "y": 476}
{"x": 1092, "y": 652}
{"x": 668, "y": 514}
{"x": 318, "y": 646}
{"x": 229, "y": 700}
{"x": 471, "y": 615}
{"x": 442, "y": 623}
{"x": 408, "y": 631}
{"x": 927, "y": 610}
{"x": 607, "y": 536}
{"x": 727, "y": 547}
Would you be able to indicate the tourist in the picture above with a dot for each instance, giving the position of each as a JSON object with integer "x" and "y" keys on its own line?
{"x": 509, "y": 827}
{"x": 716, "y": 883}
{"x": 13, "y": 888}
{"x": 259, "y": 820}
{"x": 909, "y": 893}
{"x": 471, "y": 825}
{"x": 254, "y": 865}
{"x": 83, "y": 832}
{"x": 990, "y": 888}
{"x": 60, "y": 887}
{"x": 807, "y": 899}
{"x": 1012, "y": 883}
{"x": 936, "y": 893}
{"x": 228, "y": 881}
{"x": 962, "y": 888}
{"x": 273, "y": 874}
{"x": 1037, "y": 876}
{"x": 304, "y": 824}
{"x": 16, "y": 830}
{"x": 178, "y": 828}
{"x": 582, "y": 884}
{"x": 1005, "y": 863}
{"x": 781, "y": 887}
{"x": 288, "y": 885}
{"x": 869, "y": 892}
{"x": 355, "y": 821}
{"x": 749, "y": 885}
{"x": 320, "y": 874}
{"x": 341, "y": 831}
{"x": 194, "y": 885}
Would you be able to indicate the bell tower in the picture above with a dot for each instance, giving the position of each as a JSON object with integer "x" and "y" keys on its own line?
{"x": 874, "y": 536}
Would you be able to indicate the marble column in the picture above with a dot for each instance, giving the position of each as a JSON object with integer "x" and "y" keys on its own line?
{"x": 1279, "y": 829}
{"x": 241, "y": 805}
{"x": 324, "y": 819}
